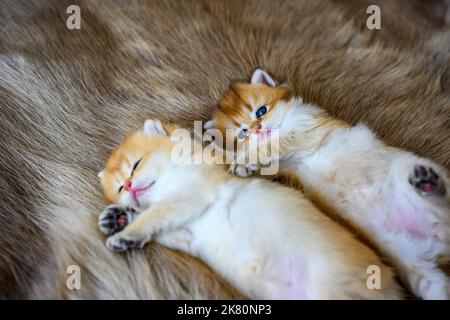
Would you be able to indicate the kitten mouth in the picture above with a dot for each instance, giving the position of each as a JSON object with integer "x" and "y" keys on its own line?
{"x": 141, "y": 191}
{"x": 263, "y": 134}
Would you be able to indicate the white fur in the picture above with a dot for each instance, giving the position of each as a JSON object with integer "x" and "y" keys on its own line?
{"x": 259, "y": 76}
{"x": 366, "y": 182}
{"x": 263, "y": 238}
{"x": 152, "y": 127}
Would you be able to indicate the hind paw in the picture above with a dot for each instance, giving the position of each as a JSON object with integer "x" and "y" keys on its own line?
{"x": 426, "y": 181}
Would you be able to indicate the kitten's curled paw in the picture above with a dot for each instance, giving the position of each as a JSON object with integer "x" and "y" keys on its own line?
{"x": 427, "y": 181}
{"x": 243, "y": 170}
{"x": 115, "y": 218}
{"x": 123, "y": 242}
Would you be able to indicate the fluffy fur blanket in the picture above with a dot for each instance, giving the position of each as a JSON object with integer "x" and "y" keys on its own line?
{"x": 67, "y": 97}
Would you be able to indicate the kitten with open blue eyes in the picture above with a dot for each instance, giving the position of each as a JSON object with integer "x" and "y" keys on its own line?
{"x": 398, "y": 200}
{"x": 263, "y": 238}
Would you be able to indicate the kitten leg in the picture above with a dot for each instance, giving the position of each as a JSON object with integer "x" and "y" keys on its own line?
{"x": 427, "y": 182}
{"x": 243, "y": 170}
{"x": 159, "y": 218}
{"x": 241, "y": 166}
{"x": 428, "y": 280}
{"x": 115, "y": 218}
{"x": 424, "y": 213}
{"x": 250, "y": 162}
{"x": 431, "y": 184}
{"x": 264, "y": 155}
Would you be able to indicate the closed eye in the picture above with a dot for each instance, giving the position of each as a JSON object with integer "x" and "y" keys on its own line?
{"x": 135, "y": 165}
{"x": 120, "y": 189}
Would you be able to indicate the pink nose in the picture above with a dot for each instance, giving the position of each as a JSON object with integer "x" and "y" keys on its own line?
{"x": 258, "y": 128}
{"x": 127, "y": 185}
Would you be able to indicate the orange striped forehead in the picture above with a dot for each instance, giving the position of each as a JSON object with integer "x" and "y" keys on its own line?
{"x": 240, "y": 102}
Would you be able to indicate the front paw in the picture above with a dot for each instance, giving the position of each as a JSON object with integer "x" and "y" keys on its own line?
{"x": 243, "y": 170}
{"x": 115, "y": 218}
{"x": 123, "y": 242}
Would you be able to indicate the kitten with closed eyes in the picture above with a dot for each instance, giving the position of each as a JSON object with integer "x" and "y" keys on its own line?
{"x": 263, "y": 238}
{"x": 398, "y": 200}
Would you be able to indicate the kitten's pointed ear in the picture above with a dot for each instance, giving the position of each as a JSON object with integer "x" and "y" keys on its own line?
{"x": 154, "y": 128}
{"x": 259, "y": 76}
{"x": 211, "y": 124}
{"x": 101, "y": 174}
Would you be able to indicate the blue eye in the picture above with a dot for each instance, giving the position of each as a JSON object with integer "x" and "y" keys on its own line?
{"x": 261, "y": 111}
{"x": 243, "y": 133}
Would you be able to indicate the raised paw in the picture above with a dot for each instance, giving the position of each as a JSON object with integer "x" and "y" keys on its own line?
{"x": 122, "y": 243}
{"x": 426, "y": 181}
{"x": 243, "y": 170}
{"x": 115, "y": 218}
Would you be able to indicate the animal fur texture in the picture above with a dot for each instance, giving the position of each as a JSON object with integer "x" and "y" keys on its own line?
{"x": 67, "y": 97}
{"x": 236, "y": 226}
{"x": 398, "y": 200}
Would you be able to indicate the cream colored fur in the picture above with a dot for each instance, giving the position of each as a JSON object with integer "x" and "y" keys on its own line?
{"x": 263, "y": 238}
{"x": 67, "y": 97}
{"x": 367, "y": 184}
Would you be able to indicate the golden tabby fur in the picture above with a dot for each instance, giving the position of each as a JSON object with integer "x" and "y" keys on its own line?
{"x": 68, "y": 97}
{"x": 236, "y": 226}
{"x": 400, "y": 201}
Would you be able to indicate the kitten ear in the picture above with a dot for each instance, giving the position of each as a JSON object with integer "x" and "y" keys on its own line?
{"x": 211, "y": 124}
{"x": 154, "y": 128}
{"x": 101, "y": 174}
{"x": 259, "y": 76}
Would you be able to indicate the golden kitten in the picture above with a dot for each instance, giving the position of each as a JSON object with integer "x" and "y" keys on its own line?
{"x": 263, "y": 238}
{"x": 399, "y": 200}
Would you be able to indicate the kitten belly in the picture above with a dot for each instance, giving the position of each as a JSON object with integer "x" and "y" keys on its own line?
{"x": 239, "y": 257}
{"x": 376, "y": 199}
{"x": 403, "y": 216}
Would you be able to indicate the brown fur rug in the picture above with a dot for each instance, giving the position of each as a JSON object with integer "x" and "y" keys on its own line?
{"x": 67, "y": 97}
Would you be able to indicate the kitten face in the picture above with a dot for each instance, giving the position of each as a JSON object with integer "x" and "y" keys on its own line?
{"x": 133, "y": 169}
{"x": 252, "y": 110}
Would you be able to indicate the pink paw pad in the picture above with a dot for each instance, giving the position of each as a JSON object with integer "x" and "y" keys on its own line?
{"x": 426, "y": 181}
